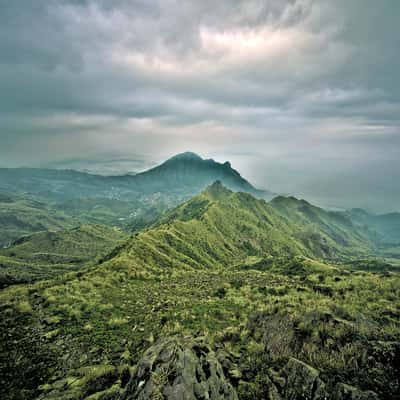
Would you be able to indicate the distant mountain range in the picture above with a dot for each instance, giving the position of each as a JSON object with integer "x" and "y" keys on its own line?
{"x": 128, "y": 201}
{"x": 386, "y": 225}
{"x": 135, "y": 201}
{"x": 183, "y": 175}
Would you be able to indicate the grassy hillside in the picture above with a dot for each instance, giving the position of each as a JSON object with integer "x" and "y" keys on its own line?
{"x": 334, "y": 228}
{"x": 386, "y": 226}
{"x": 217, "y": 228}
{"x": 128, "y": 214}
{"x": 81, "y": 335}
{"x": 46, "y": 254}
{"x": 225, "y": 267}
{"x": 21, "y": 216}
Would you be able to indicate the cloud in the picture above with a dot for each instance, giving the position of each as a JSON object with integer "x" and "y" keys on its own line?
{"x": 301, "y": 85}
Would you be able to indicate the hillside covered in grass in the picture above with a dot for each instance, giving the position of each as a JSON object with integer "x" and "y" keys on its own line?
{"x": 251, "y": 299}
{"x": 335, "y": 228}
{"x": 22, "y": 215}
{"x": 387, "y": 226}
{"x": 46, "y": 254}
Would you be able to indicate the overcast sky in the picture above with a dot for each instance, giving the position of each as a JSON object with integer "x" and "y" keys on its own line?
{"x": 302, "y": 96}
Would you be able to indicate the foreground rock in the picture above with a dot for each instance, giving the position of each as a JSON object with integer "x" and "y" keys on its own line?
{"x": 176, "y": 368}
{"x": 347, "y": 392}
{"x": 179, "y": 368}
{"x": 303, "y": 382}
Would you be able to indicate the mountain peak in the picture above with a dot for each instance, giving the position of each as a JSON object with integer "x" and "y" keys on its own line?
{"x": 189, "y": 172}
{"x": 187, "y": 155}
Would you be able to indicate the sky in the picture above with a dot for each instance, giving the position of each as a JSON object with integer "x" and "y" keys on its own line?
{"x": 302, "y": 96}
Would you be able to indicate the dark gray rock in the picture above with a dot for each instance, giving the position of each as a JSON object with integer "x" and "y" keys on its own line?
{"x": 347, "y": 392}
{"x": 302, "y": 382}
{"x": 179, "y": 369}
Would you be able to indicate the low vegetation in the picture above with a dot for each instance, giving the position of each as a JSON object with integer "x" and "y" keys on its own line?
{"x": 44, "y": 255}
{"x": 21, "y": 216}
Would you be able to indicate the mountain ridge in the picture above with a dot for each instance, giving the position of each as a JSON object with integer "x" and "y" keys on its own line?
{"x": 219, "y": 227}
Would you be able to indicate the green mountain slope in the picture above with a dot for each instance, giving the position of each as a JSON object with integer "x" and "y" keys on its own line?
{"x": 386, "y": 226}
{"x": 217, "y": 228}
{"x": 128, "y": 214}
{"x": 22, "y": 216}
{"x": 44, "y": 255}
{"x": 383, "y": 230}
{"x": 220, "y": 228}
{"x": 336, "y": 229}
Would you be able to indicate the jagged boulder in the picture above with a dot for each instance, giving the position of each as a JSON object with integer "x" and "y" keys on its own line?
{"x": 179, "y": 369}
{"x": 347, "y": 392}
{"x": 302, "y": 381}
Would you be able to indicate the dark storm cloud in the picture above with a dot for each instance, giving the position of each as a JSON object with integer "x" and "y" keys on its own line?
{"x": 302, "y": 85}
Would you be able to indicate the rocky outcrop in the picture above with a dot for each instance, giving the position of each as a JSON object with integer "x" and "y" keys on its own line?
{"x": 302, "y": 381}
{"x": 347, "y": 392}
{"x": 179, "y": 368}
